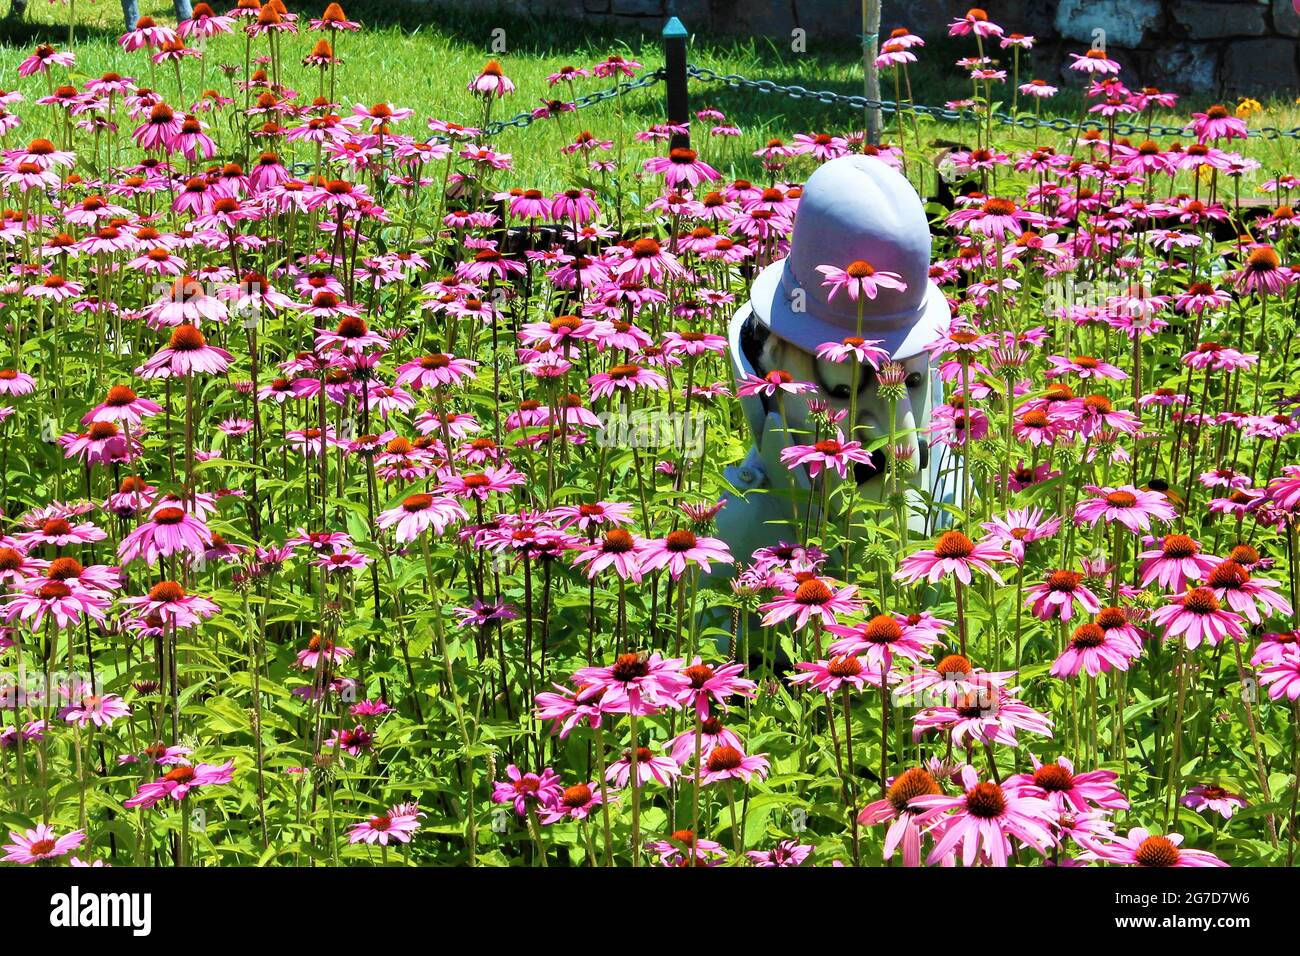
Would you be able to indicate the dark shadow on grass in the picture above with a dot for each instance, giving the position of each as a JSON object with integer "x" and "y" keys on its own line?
{"x": 25, "y": 34}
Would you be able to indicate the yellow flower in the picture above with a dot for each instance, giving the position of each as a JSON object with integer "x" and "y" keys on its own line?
{"x": 1247, "y": 107}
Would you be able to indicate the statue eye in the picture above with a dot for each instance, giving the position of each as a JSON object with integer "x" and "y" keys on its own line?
{"x": 840, "y": 392}
{"x": 915, "y": 379}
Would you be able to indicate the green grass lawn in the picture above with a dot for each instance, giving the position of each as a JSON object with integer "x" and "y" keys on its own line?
{"x": 421, "y": 57}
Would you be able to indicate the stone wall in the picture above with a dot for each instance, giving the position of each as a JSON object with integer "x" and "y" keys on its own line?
{"x": 1221, "y": 47}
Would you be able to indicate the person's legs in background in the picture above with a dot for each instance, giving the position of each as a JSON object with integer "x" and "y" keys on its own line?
{"x": 131, "y": 11}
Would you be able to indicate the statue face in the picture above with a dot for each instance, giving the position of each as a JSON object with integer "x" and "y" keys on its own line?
{"x": 834, "y": 382}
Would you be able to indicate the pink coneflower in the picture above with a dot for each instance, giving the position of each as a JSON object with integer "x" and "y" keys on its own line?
{"x": 628, "y": 377}
{"x": 1019, "y": 527}
{"x": 40, "y": 843}
{"x": 419, "y": 512}
{"x": 1212, "y": 797}
{"x": 16, "y": 383}
{"x": 859, "y": 277}
{"x": 681, "y": 166}
{"x": 1262, "y": 272}
{"x": 730, "y": 763}
{"x": 640, "y": 683}
{"x": 1217, "y": 123}
{"x": 1282, "y": 675}
{"x": 565, "y": 711}
{"x": 170, "y": 530}
{"x": 573, "y": 803}
{"x": 482, "y": 484}
{"x": 352, "y": 335}
{"x": 897, "y": 808}
{"x": 1177, "y": 561}
{"x": 66, "y": 605}
{"x": 716, "y": 684}
{"x": 836, "y": 453}
{"x": 1094, "y": 62}
{"x": 615, "y": 65}
{"x": 187, "y": 353}
{"x": 1056, "y": 596}
{"x": 353, "y": 741}
{"x": 771, "y": 383}
{"x": 491, "y": 82}
{"x": 881, "y": 639}
{"x": 649, "y": 766}
{"x": 399, "y": 824}
{"x": 1070, "y": 792}
{"x": 679, "y": 549}
{"x": 160, "y": 130}
{"x": 862, "y": 351}
{"x": 682, "y": 848}
{"x": 525, "y": 790}
{"x": 179, "y": 781}
{"x": 1084, "y": 367}
{"x": 1245, "y": 594}
{"x": 1130, "y": 506}
{"x": 989, "y": 715}
{"x": 812, "y": 596}
{"x": 785, "y": 853}
{"x": 319, "y": 649}
{"x": 433, "y": 370}
{"x": 984, "y": 819}
{"x": 168, "y": 601}
{"x": 42, "y": 58}
{"x": 840, "y": 672}
{"x": 1094, "y": 650}
{"x": 955, "y": 554}
{"x": 1096, "y": 413}
{"x": 1140, "y": 847}
{"x": 975, "y": 22}
{"x": 204, "y": 23}
{"x": 616, "y": 548}
{"x": 1218, "y": 358}
{"x": 122, "y": 405}
{"x": 59, "y": 531}
{"x": 1198, "y": 616}
{"x": 96, "y": 709}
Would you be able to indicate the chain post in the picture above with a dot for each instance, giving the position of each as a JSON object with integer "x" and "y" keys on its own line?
{"x": 677, "y": 96}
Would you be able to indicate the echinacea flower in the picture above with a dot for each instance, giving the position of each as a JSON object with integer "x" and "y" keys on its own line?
{"x": 983, "y": 820}
{"x": 1058, "y": 594}
{"x": 178, "y": 782}
{"x": 837, "y": 453}
{"x": 638, "y": 683}
{"x": 1094, "y": 650}
{"x": 100, "y": 710}
{"x": 1070, "y": 792}
{"x": 953, "y": 553}
{"x": 896, "y": 809}
{"x": 680, "y": 548}
{"x": 398, "y": 824}
{"x": 1141, "y": 847}
{"x": 1132, "y": 507}
{"x": 575, "y": 802}
{"x": 729, "y": 763}
{"x": 40, "y": 843}
{"x": 172, "y": 605}
{"x": 1212, "y": 797}
{"x": 859, "y": 278}
{"x": 419, "y": 512}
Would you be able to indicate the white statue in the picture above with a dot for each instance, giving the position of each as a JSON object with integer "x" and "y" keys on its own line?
{"x": 854, "y": 210}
